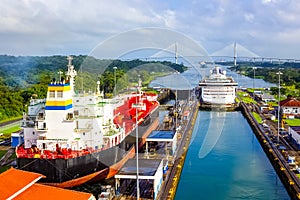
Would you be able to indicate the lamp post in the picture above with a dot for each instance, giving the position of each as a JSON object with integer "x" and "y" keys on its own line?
{"x": 254, "y": 68}
{"x": 278, "y": 112}
{"x": 137, "y": 139}
{"x": 176, "y": 113}
{"x": 98, "y": 88}
{"x": 115, "y": 88}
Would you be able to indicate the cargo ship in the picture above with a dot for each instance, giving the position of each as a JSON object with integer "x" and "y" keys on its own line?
{"x": 217, "y": 90}
{"x": 72, "y": 138}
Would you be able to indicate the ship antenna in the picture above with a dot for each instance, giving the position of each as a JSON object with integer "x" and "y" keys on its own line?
{"x": 235, "y": 54}
{"x": 139, "y": 85}
{"x": 59, "y": 73}
{"x": 71, "y": 73}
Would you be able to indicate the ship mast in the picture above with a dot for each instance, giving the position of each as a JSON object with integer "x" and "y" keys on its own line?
{"x": 71, "y": 73}
{"x": 98, "y": 87}
{"x": 139, "y": 85}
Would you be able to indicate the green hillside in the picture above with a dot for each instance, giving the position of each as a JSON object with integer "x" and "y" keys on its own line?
{"x": 25, "y": 76}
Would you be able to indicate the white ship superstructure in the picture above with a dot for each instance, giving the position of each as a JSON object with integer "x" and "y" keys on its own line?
{"x": 72, "y": 121}
{"x": 218, "y": 89}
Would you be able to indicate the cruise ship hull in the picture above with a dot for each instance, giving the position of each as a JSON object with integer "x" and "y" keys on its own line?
{"x": 227, "y": 102}
{"x": 218, "y": 101}
{"x": 213, "y": 106}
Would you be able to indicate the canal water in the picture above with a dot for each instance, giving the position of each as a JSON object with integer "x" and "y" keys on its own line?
{"x": 224, "y": 159}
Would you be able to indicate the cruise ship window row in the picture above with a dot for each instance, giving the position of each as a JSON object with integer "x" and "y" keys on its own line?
{"x": 217, "y": 93}
{"x": 218, "y": 89}
{"x": 218, "y": 96}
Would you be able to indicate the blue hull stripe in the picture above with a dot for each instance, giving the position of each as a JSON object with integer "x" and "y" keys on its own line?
{"x": 59, "y": 107}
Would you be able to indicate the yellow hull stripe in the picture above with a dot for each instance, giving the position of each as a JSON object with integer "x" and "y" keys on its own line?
{"x": 56, "y": 88}
{"x": 59, "y": 103}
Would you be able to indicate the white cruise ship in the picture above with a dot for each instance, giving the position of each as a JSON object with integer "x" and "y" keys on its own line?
{"x": 217, "y": 90}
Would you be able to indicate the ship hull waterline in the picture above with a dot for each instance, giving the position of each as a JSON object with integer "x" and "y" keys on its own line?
{"x": 66, "y": 173}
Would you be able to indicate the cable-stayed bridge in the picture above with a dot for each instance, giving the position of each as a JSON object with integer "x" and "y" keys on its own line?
{"x": 226, "y": 54}
{"x": 245, "y": 55}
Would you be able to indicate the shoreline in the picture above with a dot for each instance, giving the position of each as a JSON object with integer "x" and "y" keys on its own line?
{"x": 287, "y": 177}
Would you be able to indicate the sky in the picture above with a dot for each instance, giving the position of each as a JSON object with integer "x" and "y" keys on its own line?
{"x": 269, "y": 28}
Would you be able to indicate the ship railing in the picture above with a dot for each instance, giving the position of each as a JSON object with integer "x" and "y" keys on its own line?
{"x": 82, "y": 129}
{"x": 112, "y": 132}
{"x": 113, "y": 101}
{"x": 68, "y": 120}
{"x": 85, "y": 117}
{"x": 62, "y": 153}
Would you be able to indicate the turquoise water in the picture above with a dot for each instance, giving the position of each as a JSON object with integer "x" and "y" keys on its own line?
{"x": 225, "y": 161}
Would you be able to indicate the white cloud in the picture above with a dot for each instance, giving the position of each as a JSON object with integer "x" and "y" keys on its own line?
{"x": 249, "y": 17}
{"x": 54, "y": 27}
{"x": 276, "y": 2}
{"x": 169, "y": 18}
{"x": 266, "y": 1}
